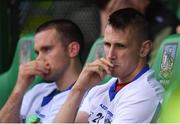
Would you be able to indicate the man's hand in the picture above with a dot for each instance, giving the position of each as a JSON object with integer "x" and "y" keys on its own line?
{"x": 11, "y": 110}
{"x": 93, "y": 73}
{"x": 28, "y": 71}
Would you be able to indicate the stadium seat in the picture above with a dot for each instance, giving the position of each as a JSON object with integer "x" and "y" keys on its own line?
{"x": 24, "y": 52}
{"x": 166, "y": 64}
{"x": 170, "y": 111}
{"x": 167, "y": 70}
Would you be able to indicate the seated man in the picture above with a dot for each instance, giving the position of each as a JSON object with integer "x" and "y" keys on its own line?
{"x": 133, "y": 95}
{"x": 57, "y": 43}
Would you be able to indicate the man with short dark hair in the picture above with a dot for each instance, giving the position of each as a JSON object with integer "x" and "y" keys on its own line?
{"x": 133, "y": 94}
{"x": 57, "y": 44}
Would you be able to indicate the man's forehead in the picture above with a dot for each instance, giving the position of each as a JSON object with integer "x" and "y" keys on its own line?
{"x": 46, "y": 34}
{"x": 111, "y": 33}
{"x": 112, "y": 29}
{"x": 45, "y": 43}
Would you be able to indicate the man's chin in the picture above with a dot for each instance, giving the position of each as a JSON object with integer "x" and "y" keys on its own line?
{"x": 114, "y": 74}
{"x": 47, "y": 79}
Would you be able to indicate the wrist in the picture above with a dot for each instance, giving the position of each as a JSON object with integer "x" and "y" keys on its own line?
{"x": 20, "y": 88}
{"x": 78, "y": 89}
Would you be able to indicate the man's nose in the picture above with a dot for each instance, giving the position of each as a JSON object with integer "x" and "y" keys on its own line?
{"x": 111, "y": 53}
{"x": 40, "y": 57}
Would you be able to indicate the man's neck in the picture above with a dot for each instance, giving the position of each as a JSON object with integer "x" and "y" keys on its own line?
{"x": 69, "y": 77}
{"x": 131, "y": 76}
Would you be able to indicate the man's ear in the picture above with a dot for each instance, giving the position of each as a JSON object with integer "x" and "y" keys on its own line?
{"x": 145, "y": 48}
{"x": 73, "y": 49}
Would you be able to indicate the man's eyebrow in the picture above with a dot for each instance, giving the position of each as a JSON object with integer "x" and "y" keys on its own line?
{"x": 120, "y": 44}
{"x": 105, "y": 43}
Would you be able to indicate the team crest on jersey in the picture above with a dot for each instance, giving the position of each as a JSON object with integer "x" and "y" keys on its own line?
{"x": 167, "y": 62}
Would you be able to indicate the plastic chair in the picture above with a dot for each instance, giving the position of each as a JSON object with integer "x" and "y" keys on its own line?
{"x": 166, "y": 64}
{"x": 170, "y": 110}
{"x": 24, "y": 52}
{"x": 167, "y": 70}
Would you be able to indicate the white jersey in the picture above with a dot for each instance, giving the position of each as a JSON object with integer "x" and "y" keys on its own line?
{"x": 137, "y": 102}
{"x": 32, "y": 101}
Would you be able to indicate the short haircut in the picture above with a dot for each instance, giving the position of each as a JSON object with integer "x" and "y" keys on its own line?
{"x": 68, "y": 31}
{"x": 101, "y": 4}
{"x": 129, "y": 18}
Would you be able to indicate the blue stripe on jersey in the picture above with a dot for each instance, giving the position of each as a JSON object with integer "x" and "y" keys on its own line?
{"x": 49, "y": 97}
{"x": 112, "y": 90}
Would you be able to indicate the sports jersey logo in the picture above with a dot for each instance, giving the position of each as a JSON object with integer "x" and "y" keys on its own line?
{"x": 108, "y": 118}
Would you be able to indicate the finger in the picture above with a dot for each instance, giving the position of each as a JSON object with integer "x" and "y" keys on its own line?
{"x": 101, "y": 66}
{"x": 43, "y": 64}
{"x": 110, "y": 6}
{"x": 102, "y": 72}
{"x": 33, "y": 72}
{"x": 37, "y": 67}
{"x": 107, "y": 65}
{"x": 96, "y": 69}
{"x": 120, "y": 4}
{"x": 107, "y": 62}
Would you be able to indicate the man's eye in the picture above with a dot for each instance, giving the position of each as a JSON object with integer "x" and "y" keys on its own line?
{"x": 46, "y": 49}
{"x": 120, "y": 46}
{"x": 106, "y": 44}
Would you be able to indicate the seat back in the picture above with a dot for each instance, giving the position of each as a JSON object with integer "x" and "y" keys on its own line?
{"x": 24, "y": 53}
{"x": 167, "y": 70}
{"x": 166, "y": 64}
{"x": 170, "y": 110}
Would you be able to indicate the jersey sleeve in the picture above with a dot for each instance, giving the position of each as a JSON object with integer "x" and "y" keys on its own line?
{"x": 25, "y": 104}
{"x": 28, "y": 100}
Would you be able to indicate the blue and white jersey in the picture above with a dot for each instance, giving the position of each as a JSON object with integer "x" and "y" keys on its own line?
{"x": 137, "y": 102}
{"x": 32, "y": 102}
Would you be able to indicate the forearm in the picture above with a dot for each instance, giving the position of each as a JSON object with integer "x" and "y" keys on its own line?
{"x": 11, "y": 110}
{"x": 27, "y": 71}
{"x": 89, "y": 77}
{"x": 68, "y": 112}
